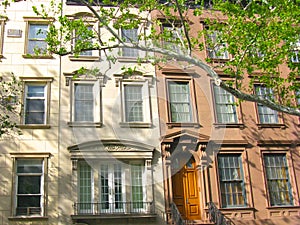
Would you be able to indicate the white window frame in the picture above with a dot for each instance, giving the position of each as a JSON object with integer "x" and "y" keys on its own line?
{"x": 111, "y": 183}
{"x": 263, "y": 111}
{"x": 42, "y": 98}
{"x": 143, "y": 179}
{"x": 96, "y": 100}
{"x": 296, "y": 52}
{"x": 146, "y": 122}
{"x": 190, "y": 100}
{"x": 229, "y": 103}
{"x": 134, "y": 53}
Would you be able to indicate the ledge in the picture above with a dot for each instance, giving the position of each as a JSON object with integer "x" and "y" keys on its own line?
{"x": 84, "y": 58}
{"x": 230, "y": 125}
{"x": 171, "y": 125}
{"x": 22, "y": 218}
{"x": 135, "y": 124}
{"x": 37, "y": 56}
{"x": 130, "y": 59}
{"x": 114, "y": 216}
{"x": 84, "y": 124}
{"x": 271, "y": 125}
{"x": 34, "y": 126}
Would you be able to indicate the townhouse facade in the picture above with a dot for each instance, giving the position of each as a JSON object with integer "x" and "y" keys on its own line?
{"x": 108, "y": 147}
{"x": 89, "y": 151}
{"x": 222, "y": 158}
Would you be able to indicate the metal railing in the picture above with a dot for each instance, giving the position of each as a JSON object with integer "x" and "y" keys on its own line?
{"x": 176, "y": 216}
{"x": 113, "y": 208}
{"x": 216, "y": 216}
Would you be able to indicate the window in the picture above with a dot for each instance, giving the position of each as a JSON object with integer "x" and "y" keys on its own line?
{"x": 172, "y": 37}
{"x": 136, "y": 104}
{"x": 216, "y": 49}
{"x": 278, "y": 183}
{"x": 133, "y": 103}
{"x": 37, "y": 34}
{"x": 295, "y": 52}
{"x": 225, "y": 106}
{"x": 84, "y": 41}
{"x": 266, "y": 115}
{"x": 231, "y": 180}
{"x": 137, "y": 186}
{"x": 85, "y": 108}
{"x": 179, "y": 101}
{"x": 2, "y": 22}
{"x": 83, "y": 102}
{"x": 121, "y": 188}
{"x": 35, "y": 103}
{"x": 29, "y": 187}
{"x": 130, "y": 36}
{"x": 85, "y": 187}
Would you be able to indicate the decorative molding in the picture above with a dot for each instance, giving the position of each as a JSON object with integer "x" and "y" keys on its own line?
{"x": 134, "y": 77}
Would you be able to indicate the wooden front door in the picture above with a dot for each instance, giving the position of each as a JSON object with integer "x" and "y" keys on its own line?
{"x": 186, "y": 191}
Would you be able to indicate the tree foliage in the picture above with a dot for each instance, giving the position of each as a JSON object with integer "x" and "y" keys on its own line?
{"x": 260, "y": 36}
{"x": 10, "y": 88}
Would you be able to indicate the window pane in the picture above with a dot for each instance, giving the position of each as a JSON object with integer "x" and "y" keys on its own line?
{"x": 84, "y": 102}
{"x": 29, "y": 166}
{"x": 278, "y": 179}
{"x": 231, "y": 180}
{"x": 133, "y": 103}
{"x": 29, "y": 201}
{"x": 85, "y": 186}
{"x": 29, "y": 184}
{"x": 179, "y": 98}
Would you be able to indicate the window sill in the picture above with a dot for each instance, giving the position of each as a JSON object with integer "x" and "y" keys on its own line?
{"x": 229, "y": 125}
{"x": 28, "y": 56}
{"x": 21, "y": 218}
{"x": 276, "y": 207}
{"x": 84, "y": 58}
{"x": 136, "y": 124}
{"x": 84, "y": 124}
{"x": 216, "y": 60}
{"x": 171, "y": 125}
{"x": 34, "y": 126}
{"x": 271, "y": 125}
{"x": 128, "y": 59}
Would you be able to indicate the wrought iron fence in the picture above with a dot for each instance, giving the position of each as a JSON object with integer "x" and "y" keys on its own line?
{"x": 113, "y": 208}
{"x": 216, "y": 216}
{"x": 176, "y": 216}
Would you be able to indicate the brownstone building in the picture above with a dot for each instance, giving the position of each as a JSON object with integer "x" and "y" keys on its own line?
{"x": 220, "y": 158}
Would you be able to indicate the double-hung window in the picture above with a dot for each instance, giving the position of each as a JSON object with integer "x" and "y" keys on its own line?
{"x": 180, "y": 108}
{"x": 84, "y": 41}
{"x": 85, "y": 107}
{"x": 35, "y": 103}
{"x": 135, "y": 103}
{"x": 225, "y": 106}
{"x": 216, "y": 49}
{"x": 37, "y": 34}
{"x": 231, "y": 179}
{"x": 278, "y": 183}
{"x": 130, "y": 36}
{"x": 134, "y": 109}
{"x": 29, "y": 187}
{"x": 265, "y": 114}
{"x": 172, "y": 35}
